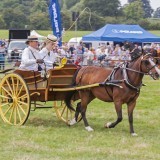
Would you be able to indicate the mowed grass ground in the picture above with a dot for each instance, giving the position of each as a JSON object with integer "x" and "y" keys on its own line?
{"x": 45, "y": 137}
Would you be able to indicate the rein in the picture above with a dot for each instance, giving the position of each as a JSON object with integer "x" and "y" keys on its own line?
{"x": 135, "y": 70}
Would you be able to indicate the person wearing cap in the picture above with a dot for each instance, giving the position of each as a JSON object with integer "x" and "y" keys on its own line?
{"x": 50, "y": 57}
{"x": 31, "y": 57}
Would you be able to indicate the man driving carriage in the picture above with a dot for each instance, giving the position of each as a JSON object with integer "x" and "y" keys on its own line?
{"x": 32, "y": 58}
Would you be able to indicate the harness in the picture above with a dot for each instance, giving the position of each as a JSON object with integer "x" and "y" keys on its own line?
{"x": 111, "y": 77}
{"x": 126, "y": 79}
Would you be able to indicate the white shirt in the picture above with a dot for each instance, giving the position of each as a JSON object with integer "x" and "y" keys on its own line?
{"x": 49, "y": 58}
{"x": 29, "y": 58}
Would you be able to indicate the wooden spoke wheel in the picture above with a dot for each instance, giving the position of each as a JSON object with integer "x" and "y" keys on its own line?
{"x": 14, "y": 99}
{"x": 63, "y": 113}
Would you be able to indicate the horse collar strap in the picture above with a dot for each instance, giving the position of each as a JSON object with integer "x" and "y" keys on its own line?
{"x": 126, "y": 79}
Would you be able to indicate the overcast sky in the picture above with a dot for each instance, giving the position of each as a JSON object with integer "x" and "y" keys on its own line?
{"x": 154, "y": 3}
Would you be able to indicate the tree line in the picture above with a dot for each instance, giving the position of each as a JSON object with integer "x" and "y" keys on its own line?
{"x": 34, "y": 14}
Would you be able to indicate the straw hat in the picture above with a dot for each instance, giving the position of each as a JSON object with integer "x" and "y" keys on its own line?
{"x": 32, "y": 38}
{"x": 52, "y": 38}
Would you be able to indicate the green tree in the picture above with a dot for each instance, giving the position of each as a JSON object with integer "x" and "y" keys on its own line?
{"x": 104, "y": 7}
{"x": 39, "y": 6}
{"x": 66, "y": 19}
{"x": 71, "y": 3}
{"x": 134, "y": 11}
{"x": 78, "y": 6}
{"x": 39, "y": 21}
{"x": 144, "y": 23}
{"x": 14, "y": 18}
{"x": 157, "y": 13}
{"x": 2, "y": 23}
{"x": 95, "y": 22}
{"x": 146, "y": 7}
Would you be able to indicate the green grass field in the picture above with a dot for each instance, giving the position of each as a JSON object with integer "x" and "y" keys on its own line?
{"x": 4, "y": 34}
{"x": 45, "y": 137}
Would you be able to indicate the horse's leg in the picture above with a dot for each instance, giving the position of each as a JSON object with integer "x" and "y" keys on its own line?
{"x": 78, "y": 110}
{"x": 86, "y": 98}
{"x": 118, "y": 107}
{"x": 131, "y": 107}
{"x": 74, "y": 120}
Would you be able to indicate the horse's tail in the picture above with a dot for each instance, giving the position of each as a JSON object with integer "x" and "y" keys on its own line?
{"x": 70, "y": 94}
{"x": 68, "y": 99}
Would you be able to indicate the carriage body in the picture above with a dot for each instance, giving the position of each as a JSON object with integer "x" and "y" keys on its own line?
{"x": 43, "y": 89}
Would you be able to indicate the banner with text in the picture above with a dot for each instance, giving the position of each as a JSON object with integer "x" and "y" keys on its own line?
{"x": 55, "y": 15}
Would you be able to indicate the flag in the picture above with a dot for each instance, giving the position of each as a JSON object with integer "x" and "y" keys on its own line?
{"x": 55, "y": 16}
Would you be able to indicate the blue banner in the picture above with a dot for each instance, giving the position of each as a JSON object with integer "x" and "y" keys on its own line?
{"x": 55, "y": 15}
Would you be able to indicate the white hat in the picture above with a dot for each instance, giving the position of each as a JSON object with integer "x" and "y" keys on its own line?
{"x": 51, "y": 37}
{"x": 32, "y": 38}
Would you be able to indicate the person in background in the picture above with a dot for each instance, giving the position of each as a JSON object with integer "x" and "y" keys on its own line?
{"x": 71, "y": 49}
{"x": 88, "y": 57}
{"x": 117, "y": 50}
{"x": 101, "y": 54}
{"x": 2, "y": 55}
{"x": 31, "y": 58}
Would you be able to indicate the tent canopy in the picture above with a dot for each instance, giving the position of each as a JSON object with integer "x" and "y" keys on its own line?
{"x": 121, "y": 33}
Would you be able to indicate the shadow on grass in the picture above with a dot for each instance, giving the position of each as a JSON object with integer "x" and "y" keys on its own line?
{"x": 38, "y": 121}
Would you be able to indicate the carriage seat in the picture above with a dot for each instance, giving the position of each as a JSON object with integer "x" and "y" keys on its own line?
{"x": 32, "y": 78}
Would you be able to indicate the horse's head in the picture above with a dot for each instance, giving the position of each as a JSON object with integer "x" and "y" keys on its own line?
{"x": 149, "y": 66}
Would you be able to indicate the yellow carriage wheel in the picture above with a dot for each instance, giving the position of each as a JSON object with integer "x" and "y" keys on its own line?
{"x": 14, "y": 99}
{"x": 64, "y": 113}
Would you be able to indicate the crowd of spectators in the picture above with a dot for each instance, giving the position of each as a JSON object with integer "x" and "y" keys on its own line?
{"x": 103, "y": 55}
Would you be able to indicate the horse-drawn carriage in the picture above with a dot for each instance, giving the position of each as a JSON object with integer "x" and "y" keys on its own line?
{"x": 19, "y": 90}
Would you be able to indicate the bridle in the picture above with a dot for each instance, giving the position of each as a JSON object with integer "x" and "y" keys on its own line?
{"x": 149, "y": 72}
{"x": 148, "y": 69}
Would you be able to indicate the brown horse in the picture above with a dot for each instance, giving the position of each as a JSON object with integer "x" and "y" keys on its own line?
{"x": 128, "y": 76}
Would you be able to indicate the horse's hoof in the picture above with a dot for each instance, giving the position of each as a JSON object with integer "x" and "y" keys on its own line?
{"x": 107, "y": 125}
{"x": 134, "y": 134}
{"x": 89, "y": 129}
{"x": 72, "y": 122}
